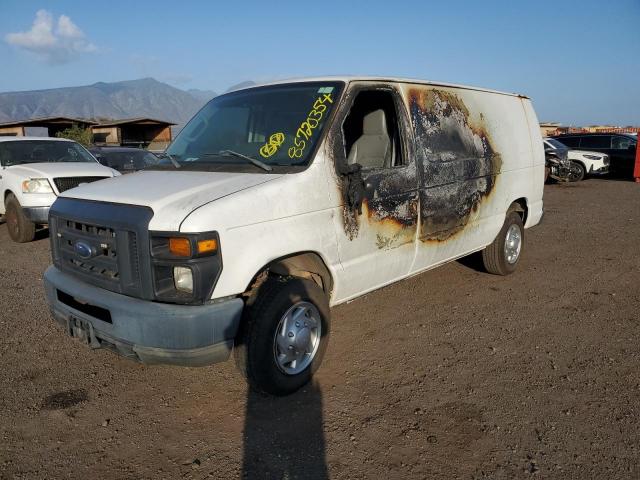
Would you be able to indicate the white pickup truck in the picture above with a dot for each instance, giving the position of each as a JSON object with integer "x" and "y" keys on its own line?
{"x": 279, "y": 201}
{"x": 33, "y": 172}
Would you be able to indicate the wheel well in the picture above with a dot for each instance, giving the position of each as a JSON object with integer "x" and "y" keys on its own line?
{"x": 581, "y": 163}
{"x": 304, "y": 264}
{"x": 6, "y": 194}
{"x": 520, "y": 206}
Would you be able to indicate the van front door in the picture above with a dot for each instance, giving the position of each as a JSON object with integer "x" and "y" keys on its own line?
{"x": 377, "y": 225}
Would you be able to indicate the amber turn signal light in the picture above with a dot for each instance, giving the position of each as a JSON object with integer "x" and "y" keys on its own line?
{"x": 206, "y": 246}
{"x": 180, "y": 247}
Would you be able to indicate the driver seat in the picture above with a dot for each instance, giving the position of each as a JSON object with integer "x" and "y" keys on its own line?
{"x": 373, "y": 148}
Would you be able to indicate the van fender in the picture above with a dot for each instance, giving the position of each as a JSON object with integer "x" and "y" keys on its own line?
{"x": 307, "y": 264}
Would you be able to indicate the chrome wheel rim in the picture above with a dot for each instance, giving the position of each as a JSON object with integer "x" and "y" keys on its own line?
{"x": 513, "y": 244}
{"x": 297, "y": 338}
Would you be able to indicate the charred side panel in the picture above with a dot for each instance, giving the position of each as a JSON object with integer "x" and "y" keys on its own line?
{"x": 458, "y": 163}
{"x": 391, "y": 198}
{"x": 386, "y": 198}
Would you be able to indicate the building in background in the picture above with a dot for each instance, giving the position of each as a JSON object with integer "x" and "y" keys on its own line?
{"x": 549, "y": 128}
{"x": 611, "y": 129}
{"x": 149, "y": 133}
{"x": 45, "y": 126}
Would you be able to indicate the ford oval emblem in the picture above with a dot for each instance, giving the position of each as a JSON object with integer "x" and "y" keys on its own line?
{"x": 83, "y": 250}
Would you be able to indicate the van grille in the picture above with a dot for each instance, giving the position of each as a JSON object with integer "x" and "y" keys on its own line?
{"x": 102, "y": 243}
{"x": 65, "y": 183}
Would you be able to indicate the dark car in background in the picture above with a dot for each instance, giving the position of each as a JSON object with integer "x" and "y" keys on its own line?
{"x": 124, "y": 159}
{"x": 620, "y": 147}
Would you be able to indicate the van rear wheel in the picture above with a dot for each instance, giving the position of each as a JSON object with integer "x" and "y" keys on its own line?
{"x": 20, "y": 228}
{"x": 503, "y": 255}
{"x": 283, "y": 336}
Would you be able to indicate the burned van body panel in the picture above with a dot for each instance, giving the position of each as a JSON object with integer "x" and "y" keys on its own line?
{"x": 379, "y": 204}
{"x": 466, "y": 159}
{"x": 390, "y": 194}
{"x": 458, "y": 163}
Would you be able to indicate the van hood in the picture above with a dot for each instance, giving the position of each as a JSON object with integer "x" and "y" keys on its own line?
{"x": 63, "y": 169}
{"x": 171, "y": 195}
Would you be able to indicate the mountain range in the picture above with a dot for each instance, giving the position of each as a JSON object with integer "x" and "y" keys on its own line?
{"x": 145, "y": 97}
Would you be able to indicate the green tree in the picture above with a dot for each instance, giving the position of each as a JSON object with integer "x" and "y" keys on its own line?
{"x": 83, "y": 136}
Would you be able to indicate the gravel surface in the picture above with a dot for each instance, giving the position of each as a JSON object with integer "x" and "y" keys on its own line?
{"x": 451, "y": 374}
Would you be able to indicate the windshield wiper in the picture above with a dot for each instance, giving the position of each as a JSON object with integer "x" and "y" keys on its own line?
{"x": 173, "y": 160}
{"x": 255, "y": 161}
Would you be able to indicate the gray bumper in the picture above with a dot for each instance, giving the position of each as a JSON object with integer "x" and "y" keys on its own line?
{"x": 37, "y": 214}
{"x": 150, "y": 332}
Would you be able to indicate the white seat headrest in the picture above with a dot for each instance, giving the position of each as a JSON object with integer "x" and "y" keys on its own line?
{"x": 375, "y": 123}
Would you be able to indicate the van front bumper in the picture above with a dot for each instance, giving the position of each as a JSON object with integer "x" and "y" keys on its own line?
{"x": 145, "y": 331}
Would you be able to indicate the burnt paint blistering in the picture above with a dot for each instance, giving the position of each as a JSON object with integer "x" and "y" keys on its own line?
{"x": 387, "y": 198}
{"x": 454, "y": 169}
{"x": 457, "y": 160}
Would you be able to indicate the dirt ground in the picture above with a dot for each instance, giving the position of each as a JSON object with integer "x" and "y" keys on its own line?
{"x": 452, "y": 374}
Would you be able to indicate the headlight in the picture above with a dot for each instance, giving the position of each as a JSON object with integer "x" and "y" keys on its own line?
{"x": 185, "y": 266}
{"x": 593, "y": 157}
{"x": 36, "y": 185}
{"x": 183, "y": 279}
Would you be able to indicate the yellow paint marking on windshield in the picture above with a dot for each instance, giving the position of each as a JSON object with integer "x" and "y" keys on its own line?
{"x": 305, "y": 131}
{"x": 271, "y": 147}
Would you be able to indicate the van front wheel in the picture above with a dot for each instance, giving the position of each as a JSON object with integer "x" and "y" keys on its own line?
{"x": 284, "y": 335}
{"x": 502, "y": 256}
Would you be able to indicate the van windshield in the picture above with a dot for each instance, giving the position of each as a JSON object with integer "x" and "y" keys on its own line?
{"x": 19, "y": 152}
{"x": 279, "y": 126}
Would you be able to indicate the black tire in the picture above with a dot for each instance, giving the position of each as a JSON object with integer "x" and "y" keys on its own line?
{"x": 255, "y": 343}
{"x": 494, "y": 257}
{"x": 577, "y": 172}
{"x": 20, "y": 228}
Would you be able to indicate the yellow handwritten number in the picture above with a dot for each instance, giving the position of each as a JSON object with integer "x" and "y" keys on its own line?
{"x": 271, "y": 147}
{"x": 305, "y": 131}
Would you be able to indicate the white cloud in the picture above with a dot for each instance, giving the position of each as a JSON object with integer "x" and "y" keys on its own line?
{"x": 55, "y": 42}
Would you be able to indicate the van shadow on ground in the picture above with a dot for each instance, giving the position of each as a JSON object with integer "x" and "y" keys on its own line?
{"x": 283, "y": 436}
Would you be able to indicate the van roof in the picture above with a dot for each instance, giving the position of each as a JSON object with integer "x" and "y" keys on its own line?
{"x": 348, "y": 79}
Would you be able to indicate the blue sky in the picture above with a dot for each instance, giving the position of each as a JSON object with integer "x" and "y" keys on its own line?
{"x": 578, "y": 60}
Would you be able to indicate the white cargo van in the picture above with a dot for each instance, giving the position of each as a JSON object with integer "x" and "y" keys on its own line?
{"x": 279, "y": 201}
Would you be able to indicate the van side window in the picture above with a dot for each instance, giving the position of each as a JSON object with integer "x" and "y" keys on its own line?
{"x": 371, "y": 133}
